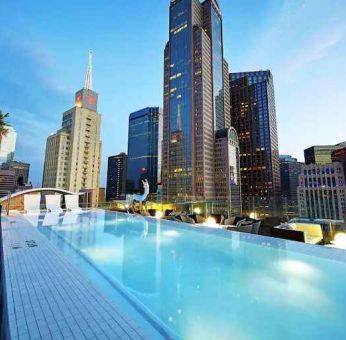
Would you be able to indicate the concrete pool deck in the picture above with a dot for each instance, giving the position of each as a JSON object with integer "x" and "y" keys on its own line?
{"x": 47, "y": 297}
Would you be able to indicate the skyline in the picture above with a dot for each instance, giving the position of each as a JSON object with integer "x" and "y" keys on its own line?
{"x": 52, "y": 67}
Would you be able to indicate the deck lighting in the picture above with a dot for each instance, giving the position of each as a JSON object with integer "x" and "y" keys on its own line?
{"x": 197, "y": 211}
{"x": 159, "y": 214}
{"x": 210, "y": 222}
{"x": 340, "y": 240}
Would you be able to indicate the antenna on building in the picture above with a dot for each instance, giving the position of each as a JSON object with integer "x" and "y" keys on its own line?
{"x": 89, "y": 75}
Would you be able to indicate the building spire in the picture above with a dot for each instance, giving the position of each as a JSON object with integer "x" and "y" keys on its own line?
{"x": 89, "y": 76}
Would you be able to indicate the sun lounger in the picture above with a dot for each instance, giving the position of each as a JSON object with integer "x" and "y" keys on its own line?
{"x": 72, "y": 203}
{"x": 53, "y": 203}
{"x": 32, "y": 204}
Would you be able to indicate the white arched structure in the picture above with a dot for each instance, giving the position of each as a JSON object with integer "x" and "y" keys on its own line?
{"x": 39, "y": 190}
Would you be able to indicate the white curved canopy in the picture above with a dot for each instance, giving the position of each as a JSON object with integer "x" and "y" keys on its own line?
{"x": 30, "y": 191}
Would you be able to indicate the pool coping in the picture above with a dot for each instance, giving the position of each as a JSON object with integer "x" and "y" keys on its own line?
{"x": 327, "y": 253}
{"x": 25, "y": 304}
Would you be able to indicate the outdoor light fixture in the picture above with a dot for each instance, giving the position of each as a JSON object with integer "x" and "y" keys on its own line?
{"x": 197, "y": 211}
{"x": 159, "y": 214}
{"x": 340, "y": 240}
{"x": 210, "y": 222}
{"x": 253, "y": 216}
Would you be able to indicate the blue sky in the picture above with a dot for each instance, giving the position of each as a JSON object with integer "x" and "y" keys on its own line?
{"x": 43, "y": 53}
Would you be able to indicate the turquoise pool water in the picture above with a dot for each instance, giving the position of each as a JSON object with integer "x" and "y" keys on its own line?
{"x": 212, "y": 284}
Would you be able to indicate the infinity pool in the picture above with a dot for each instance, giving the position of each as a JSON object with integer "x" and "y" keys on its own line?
{"x": 212, "y": 284}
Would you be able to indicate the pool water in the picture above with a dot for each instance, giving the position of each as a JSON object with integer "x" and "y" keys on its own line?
{"x": 208, "y": 284}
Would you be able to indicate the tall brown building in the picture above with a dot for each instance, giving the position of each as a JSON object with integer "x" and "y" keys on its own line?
{"x": 254, "y": 118}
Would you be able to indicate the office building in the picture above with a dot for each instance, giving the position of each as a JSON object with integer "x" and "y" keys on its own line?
{"x": 227, "y": 173}
{"x": 196, "y": 101}
{"x": 339, "y": 155}
{"x": 253, "y": 115}
{"x": 8, "y": 145}
{"x": 144, "y": 149}
{"x": 72, "y": 160}
{"x": 21, "y": 171}
{"x": 290, "y": 170}
{"x": 7, "y": 182}
{"x": 322, "y": 191}
{"x": 319, "y": 154}
{"x": 116, "y": 177}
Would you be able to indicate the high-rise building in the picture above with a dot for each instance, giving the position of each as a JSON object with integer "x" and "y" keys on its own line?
{"x": 144, "y": 149}
{"x": 21, "y": 171}
{"x": 8, "y": 146}
{"x": 116, "y": 177}
{"x": 253, "y": 116}
{"x": 290, "y": 170}
{"x": 196, "y": 100}
{"x": 227, "y": 172}
{"x": 7, "y": 182}
{"x": 322, "y": 191}
{"x": 319, "y": 154}
{"x": 339, "y": 155}
{"x": 72, "y": 159}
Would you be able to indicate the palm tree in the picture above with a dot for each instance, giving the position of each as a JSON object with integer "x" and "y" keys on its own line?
{"x": 3, "y": 124}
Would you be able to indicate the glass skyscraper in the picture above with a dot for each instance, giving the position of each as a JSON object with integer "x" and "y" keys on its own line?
{"x": 144, "y": 149}
{"x": 290, "y": 169}
{"x": 116, "y": 177}
{"x": 196, "y": 100}
{"x": 254, "y": 118}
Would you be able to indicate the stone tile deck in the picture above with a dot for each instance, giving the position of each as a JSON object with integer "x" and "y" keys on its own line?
{"x": 48, "y": 298}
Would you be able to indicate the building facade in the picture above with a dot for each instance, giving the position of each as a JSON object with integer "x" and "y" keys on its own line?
{"x": 21, "y": 171}
{"x": 319, "y": 154}
{"x": 339, "y": 155}
{"x": 196, "y": 101}
{"x": 116, "y": 177}
{"x": 322, "y": 191}
{"x": 227, "y": 172}
{"x": 290, "y": 169}
{"x": 144, "y": 149}
{"x": 7, "y": 182}
{"x": 253, "y": 115}
{"x": 8, "y": 146}
{"x": 72, "y": 159}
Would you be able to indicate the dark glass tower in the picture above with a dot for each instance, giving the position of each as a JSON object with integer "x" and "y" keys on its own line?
{"x": 254, "y": 118}
{"x": 290, "y": 170}
{"x": 195, "y": 102}
{"x": 144, "y": 149}
{"x": 116, "y": 177}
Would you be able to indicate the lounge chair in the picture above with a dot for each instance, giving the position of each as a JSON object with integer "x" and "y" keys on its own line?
{"x": 32, "y": 204}
{"x": 53, "y": 203}
{"x": 72, "y": 203}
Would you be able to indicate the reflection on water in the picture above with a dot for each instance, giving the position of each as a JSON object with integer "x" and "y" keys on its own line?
{"x": 205, "y": 286}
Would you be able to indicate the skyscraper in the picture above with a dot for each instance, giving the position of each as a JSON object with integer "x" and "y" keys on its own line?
{"x": 144, "y": 149}
{"x": 254, "y": 118}
{"x": 227, "y": 173}
{"x": 290, "y": 170}
{"x": 21, "y": 171}
{"x": 116, "y": 177}
{"x": 72, "y": 160}
{"x": 196, "y": 105}
{"x": 319, "y": 154}
{"x": 322, "y": 191}
{"x": 8, "y": 146}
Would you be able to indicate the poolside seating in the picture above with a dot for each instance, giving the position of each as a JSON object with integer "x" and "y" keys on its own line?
{"x": 70, "y": 217}
{"x": 32, "y": 204}
{"x": 72, "y": 203}
{"x": 53, "y": 203}
{"x": 302, "y": 232}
